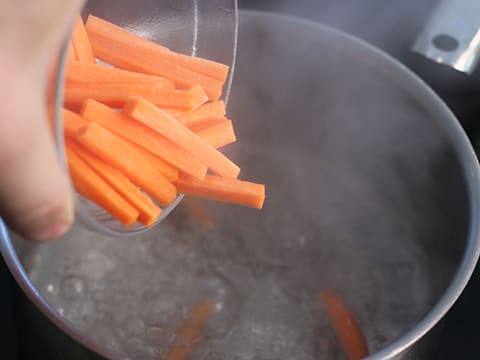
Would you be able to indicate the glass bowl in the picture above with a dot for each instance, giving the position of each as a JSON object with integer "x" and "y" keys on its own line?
{"x": 204, "y": 28}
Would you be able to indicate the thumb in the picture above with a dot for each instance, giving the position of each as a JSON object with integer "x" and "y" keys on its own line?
{"x": 35, "y": 195}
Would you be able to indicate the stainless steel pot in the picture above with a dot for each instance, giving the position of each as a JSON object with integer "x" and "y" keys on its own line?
{"x": 373, "y": 189}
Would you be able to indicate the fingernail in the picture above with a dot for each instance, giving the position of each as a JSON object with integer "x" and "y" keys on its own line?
{"x": 63, "y": 221}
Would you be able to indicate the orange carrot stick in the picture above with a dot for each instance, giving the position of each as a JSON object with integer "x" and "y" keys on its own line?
{"x": 208, "y": 123}
{"x": 143, "y": 136}
{"x": 82, "y": 72}
{"x": 148, "y": 211}
{"x": 151, "y": 116}
{"x": 108, "y": 30}
{"x": 167, "y": 169}
{"x": 189, "y": 334}
{"x": 218, "y": 135}
{"x": 92, "y": 187}
{"x": 72, "y": 54}
{"x": 223, "y": 189}
{"x": 81, "y": 43}
{"x": 72, "y": 123}
{"x": 120, "y": 53}
{"x": 137, "y": 164}
{"x": 214, "y": 109}
{"x": 175, "y": 112}
{"x": 345, "y": 325}
{"x": 115, "y": 95}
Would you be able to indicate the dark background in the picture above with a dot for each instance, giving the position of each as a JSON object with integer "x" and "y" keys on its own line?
{"x": 392, "y": 26}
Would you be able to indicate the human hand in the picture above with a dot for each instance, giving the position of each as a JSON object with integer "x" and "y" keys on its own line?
{"x": 35, "y": 196}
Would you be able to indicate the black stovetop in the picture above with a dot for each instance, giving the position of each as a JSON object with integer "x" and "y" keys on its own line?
{"x": 391, "y": 25}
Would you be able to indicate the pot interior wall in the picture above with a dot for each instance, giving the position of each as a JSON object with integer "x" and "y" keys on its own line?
{"x": 365, "y": 194}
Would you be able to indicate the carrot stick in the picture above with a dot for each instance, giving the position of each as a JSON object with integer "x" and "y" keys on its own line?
{"x": 81, "y": 43}
{"x": 143, "y": 136}
{"x": 104, "y": 119}
{"x": 72, "y": 123}
{"x": 72, "y": 54}
{"x": 148, "y": 211}
{"x": 175, "y": 112}
{"x": 209, "y": 123}
{"x": 345, "y": 325}
{"x": 223, "y": 189}
{"x": 151, "y": 116}
{"x": 92, "y": 187}
{"x": 120, "y": 53}
{"x": 108, "y": 30}
{"x": 214, "y": 109}
{"x": 82, "y": 72}
{"x": 218, "y": 135}
{"x": 189, "y": 334}
{"x": 136, "y": 163}
{"x": 115, "y": 95}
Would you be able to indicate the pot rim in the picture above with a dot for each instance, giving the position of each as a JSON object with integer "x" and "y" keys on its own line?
{"x": 460, "y": 143}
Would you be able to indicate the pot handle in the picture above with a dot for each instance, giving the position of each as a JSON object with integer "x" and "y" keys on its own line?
{"x": 452, "y": 35}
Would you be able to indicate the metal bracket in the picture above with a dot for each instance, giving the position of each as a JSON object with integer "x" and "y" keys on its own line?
{"x": 452, "y": 35}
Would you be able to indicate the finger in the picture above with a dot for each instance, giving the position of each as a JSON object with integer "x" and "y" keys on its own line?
{"x": 35, "y": 195}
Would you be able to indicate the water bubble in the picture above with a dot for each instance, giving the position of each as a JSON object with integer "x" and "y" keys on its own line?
{"x": 162, "y": 311}
{"x": 119, "y": 316}
{"x": 121, "y": 333}
{"x": 160, "y": 337}
{"x": 155, "y": 333}
{"x": 87, "y": 320}
{"x": 226, "y": 300}
{"x": 163, "y": 244}
{"x": 99, "y": 295}
{"x": 154, "y": 353}
{"x": 135, "y": 326}
{"x": 73, "y": 287}
{"x": 134, "y": 346}
{"x": 105, "y": 336}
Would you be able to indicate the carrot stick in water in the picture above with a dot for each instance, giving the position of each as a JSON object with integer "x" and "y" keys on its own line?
{"x": 223, "y": 189}
{"x": 148, "y": 211}
{"x": 345, "y": 325}
{"x": 189, "y": 334}
{"x": 143, "y": 136}
{"x": 158, "y": 120}
{"x": 81, "y": 43}
{"x": 82, "y": 72}
{"x": 218, "y": 135}
{"x": 92, "y": 187}
{"x": 116, "y": 95}
{"x": 136, "y": 163}
{"x": 107, "y": 30}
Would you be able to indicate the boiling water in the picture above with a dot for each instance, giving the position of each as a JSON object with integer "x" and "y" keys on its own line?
{"x": 131, "y": 295}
